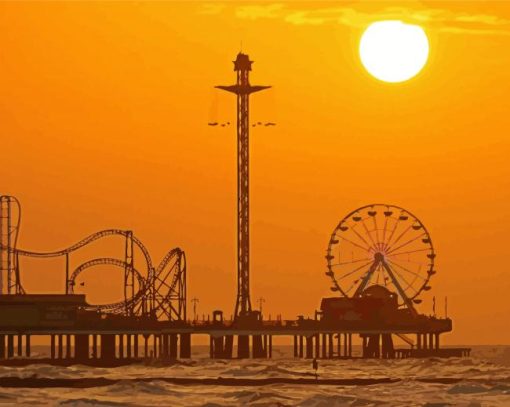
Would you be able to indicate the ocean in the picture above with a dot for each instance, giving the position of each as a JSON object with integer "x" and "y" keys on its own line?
{"x": 480, "y": 380}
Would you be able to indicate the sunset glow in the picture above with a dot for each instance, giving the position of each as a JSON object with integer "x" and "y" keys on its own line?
{"x": 104, "y": 114}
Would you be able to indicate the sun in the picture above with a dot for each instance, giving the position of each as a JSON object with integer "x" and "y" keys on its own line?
{"x": 393, "y": 51}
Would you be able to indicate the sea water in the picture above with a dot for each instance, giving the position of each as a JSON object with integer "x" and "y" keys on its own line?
{"x": 480, "y": 380}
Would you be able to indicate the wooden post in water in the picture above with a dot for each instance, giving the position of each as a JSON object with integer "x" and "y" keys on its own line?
{"x": 27, "y": 346}
{"x": 20, "y": 345}
{"x": 52, "y": 346}
{"x": 135, "y": 345}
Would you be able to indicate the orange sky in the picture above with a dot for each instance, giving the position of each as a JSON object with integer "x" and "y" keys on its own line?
{"x": 103, "y": 121}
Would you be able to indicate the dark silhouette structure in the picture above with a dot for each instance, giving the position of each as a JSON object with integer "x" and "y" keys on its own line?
{"x": 243, "y": 90}
{"x": 10, "y": 217}
{"x": 380, "y": 259}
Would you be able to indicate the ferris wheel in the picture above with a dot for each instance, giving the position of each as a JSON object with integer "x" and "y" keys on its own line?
{"x": 381, "y": 245}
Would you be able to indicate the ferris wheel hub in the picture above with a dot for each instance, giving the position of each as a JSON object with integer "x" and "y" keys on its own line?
{"x": 378, "y": 257}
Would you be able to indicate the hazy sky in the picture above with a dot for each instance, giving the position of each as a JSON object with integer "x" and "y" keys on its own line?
{"x": 103, "y": 123}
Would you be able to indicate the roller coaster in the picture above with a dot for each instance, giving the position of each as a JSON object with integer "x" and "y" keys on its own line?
{"x": 149, "y": 291}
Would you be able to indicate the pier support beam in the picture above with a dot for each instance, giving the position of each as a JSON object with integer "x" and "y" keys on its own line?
{"x": 52, "y": 346}
{"x": 317, "y": 346}
{"x": 172, "y": 346}
{"x": 243, "y": 346}
{"x": 94, "y": 346}
{"x": 165, "y": 354}
{"x": 258, "y": 348}
{"x": 270, "y": 354}
{"x": 129, "y": 346}
{"x": 146, "y": 346}
{"x": 60, "y": 346}
{"x": 81, "y": 347}
{"x": 309, "y": 347}
{"x": 295, "y": 346}
{"x": 330, "y": 346}
{"x": 10, "y": 346}
{"x": 218, "y": 347}
{"x": 300, "y": 346}
{"x": 388, "y": 351}
{"x": 121, "y": 346}
{"x": 228, "y": 348}
{"x": 68, "y": 346}
{"x": 27, "y": 346}
{"x": 135, "y": 346}
{"x": 2, "y": 346}
{"x": 20, "y": 345}
{"x": 108, "y": 347}
{"x": 374, "y": 346}
{"x": 186, "y": 346}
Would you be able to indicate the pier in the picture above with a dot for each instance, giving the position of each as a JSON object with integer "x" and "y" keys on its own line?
{"x": 380, "y": 260}
{"x": 89, "y": 337}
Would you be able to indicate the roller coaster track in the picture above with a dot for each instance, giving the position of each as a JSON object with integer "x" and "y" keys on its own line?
{"x": 166, "y": 294}
{"x": 153, "y": 291}
{"x": 89, "y": 239}
{"x": 116, "y": 307}
{"x": 10, "y": 220}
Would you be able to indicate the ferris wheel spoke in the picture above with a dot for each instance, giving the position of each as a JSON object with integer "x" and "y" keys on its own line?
{"x": 383, "y": 241}
{"x": 406, "y": 269}
{"x": 391, "y": 250}
{"x": 350, "y": 262}
{"x": 410, "y": 252}
{"x": 339, "y": 288}
{"x": 351, "y": 287}
{"x": 355, "y": 244}
{"x": 419, "y": 263}
{"x": 368, "y": 233}
{"x": 360, "y": 236}
{"x": 397, "y": 221}
{"x": 355, "y": 270}
{"x": 378, "y": 242}
{"x": 399, "y": 237}
{"x": 408, "y": 287}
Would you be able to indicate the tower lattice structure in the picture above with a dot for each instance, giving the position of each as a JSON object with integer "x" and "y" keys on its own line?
{"x": 243, "y": 90}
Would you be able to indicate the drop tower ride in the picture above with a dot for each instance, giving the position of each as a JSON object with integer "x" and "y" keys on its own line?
{"x": 243, "y": 90}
